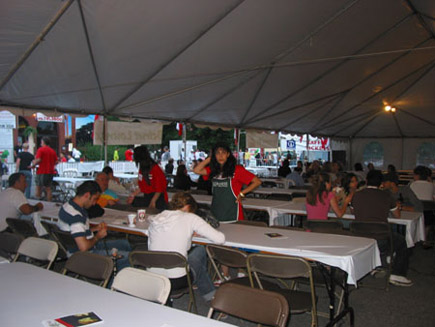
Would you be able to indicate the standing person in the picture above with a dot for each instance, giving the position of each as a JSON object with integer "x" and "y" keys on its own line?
{"x": 116, "y": 155}
{"x": 320, "y": 198}
{"x": 373, "y": 204}
{"x": 129, "y": 154}
{"x": 172, "y": 230}
{"x": 182, "y": 180}
{"x": 227, "y": 180}
{"x": 169, "y": 167}
{"x": 46, "y": 158}
{"x": 13, "y": 203}
{"x": 76, "y": 154}
{"x": 23, "y": 165}
{"x": 17, "y": 149}
{"x": 151, "y": 180}
{"x": 166, "y": 155}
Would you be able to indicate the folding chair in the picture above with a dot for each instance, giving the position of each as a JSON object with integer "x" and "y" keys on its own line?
{"x": 142, "y": 284}
{"x": 22, "y": 227}
{"x": 52, "y": 229}
{"x": 90, "y": 267}
{"x": 381, "y": 232}
{"x": 39, "y": 249}
{"x": 253, "y": 304}
{"x": 165, "y": 260}
{"x": 9, "y": 244}
{"x": 329, "y": 226}
{"x": 285, "y": 267}
{"x": 252, "y": 223}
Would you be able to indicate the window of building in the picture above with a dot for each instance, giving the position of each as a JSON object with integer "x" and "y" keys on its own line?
{"x": 374, "y": 153}
{"x": 426, "y": 155}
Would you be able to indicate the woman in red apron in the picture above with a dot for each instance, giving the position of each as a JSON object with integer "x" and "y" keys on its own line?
{"x": 227, "y": 178}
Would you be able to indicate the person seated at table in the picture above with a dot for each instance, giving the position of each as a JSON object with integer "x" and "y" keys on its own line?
{"x": 320, "y": 198}
{"x": 296, "y": 178}
{"x": 13, "y": 203}
{"x": 114, "y": 183}
{"x": 106, "y": 198}
{"x": 404, "y": 196}
{"x": 182, "y": 180}
{"x": 172, "y": 230}
{"x": 74, "y": 218}
{"x": 284, "y": 170}
{"x": 373, "y": 204}
{"x": 152, "y": 182}
{"x": 422, "y": 185}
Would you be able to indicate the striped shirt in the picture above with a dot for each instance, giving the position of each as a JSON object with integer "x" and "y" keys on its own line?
{"x": 75, "y": 219}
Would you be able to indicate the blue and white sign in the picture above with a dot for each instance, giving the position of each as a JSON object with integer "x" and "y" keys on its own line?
{"x": 291, "y": 145}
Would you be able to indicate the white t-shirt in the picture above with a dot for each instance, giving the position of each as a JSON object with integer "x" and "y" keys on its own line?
{"x": 172, "y": 230}
{"x": 424, "y": 190}
{"x": 11, "y": 200}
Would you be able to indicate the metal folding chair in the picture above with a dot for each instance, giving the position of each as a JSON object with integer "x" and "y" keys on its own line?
{"x": 38, "y": 250}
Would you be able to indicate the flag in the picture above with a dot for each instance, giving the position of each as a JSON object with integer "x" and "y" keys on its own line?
{"x": 236, "y": 136}
{"x": 180, "y": 128}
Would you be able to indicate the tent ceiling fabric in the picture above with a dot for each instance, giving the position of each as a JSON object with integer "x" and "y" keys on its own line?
{"x": 319, "y": 67}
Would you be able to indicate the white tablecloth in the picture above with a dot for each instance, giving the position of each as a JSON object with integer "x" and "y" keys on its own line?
{"x": 29, "y": 295}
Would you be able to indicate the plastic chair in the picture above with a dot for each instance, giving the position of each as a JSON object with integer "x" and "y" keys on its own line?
{"x": 9, "y": 244}
{"x": 71, "y": 172}
{"x": 260, "y": 306}
{"x": 380, "y": 231}
{"x": 22, "y": 227}
{"x": 142, "y": 284}
{"x": 90, "y": 267}
{"x": 39, "y": 249}
{"x": 165, "y": 260}
{"x": 285, "y": 267}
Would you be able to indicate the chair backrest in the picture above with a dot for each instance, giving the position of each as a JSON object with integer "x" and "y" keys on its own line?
{"x": 157, "y": 259}
{"x": 39, "y": 249}
{"x": 225, "y": 256}
{"x": 89, "y": 265}
{"x": 143, "y": 284}
{"x": 65, "y": 238}
{"x": 252, "y": 223}
{"x": 324, "y": 226}
{"x": 9, "y": 244}
{"x": 371, "y": 229}
{"x": 22, "y": 227}
{"x": 52, "y": 230}
{"x": 260, "y": 306}
{"x": 280, "y": 196}
{"x": 71, "y": 172}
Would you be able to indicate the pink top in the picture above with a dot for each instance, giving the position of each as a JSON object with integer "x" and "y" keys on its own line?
{"x": 320, "y": 211}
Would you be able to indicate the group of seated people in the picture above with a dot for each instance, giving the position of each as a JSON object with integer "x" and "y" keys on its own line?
{"x": 376, "y": 200}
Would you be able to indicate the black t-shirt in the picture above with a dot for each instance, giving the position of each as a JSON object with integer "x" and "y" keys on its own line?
{"x": 26, "y": 160}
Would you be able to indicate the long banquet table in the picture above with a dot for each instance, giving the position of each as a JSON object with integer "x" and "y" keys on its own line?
{"x": 29, "y": 295}
{"x": 414, "y": 221}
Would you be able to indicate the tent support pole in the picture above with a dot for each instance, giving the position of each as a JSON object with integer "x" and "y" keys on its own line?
{"x": 185, "y": 144}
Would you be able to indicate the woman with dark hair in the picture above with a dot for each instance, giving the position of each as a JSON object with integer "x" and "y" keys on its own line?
{"x": 151, "y": 180}
{"x": 227, "y": 180}
{"x": 182, "y": 180}
{"x": 320, "y": 198}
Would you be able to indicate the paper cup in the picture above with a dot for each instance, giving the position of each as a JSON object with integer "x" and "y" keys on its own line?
{"x": 141, "y": 214}
{"x": 131, "y": 218}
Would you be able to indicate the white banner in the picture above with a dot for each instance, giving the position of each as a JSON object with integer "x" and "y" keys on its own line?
{"x": 121, "y": 133}
{"x": 7, "y": 120}
{"x": 51, "y": 119}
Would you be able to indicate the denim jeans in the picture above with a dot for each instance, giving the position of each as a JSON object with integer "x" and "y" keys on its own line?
{"x": 28, "y": 175}
{"x": 123, "y": 248}
{"x": 197, "y": 259}
{"x": 400, "y": 258}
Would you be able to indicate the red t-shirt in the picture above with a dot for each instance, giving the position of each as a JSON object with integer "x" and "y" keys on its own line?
{"x": 128, "y": 155}
{"x": 157, "y": 182}
{"x": 48, "y": 160}
{"x": 241, "y": 177}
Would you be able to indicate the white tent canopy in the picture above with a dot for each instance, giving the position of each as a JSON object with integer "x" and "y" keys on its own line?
{"x": 319, "y": 67}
